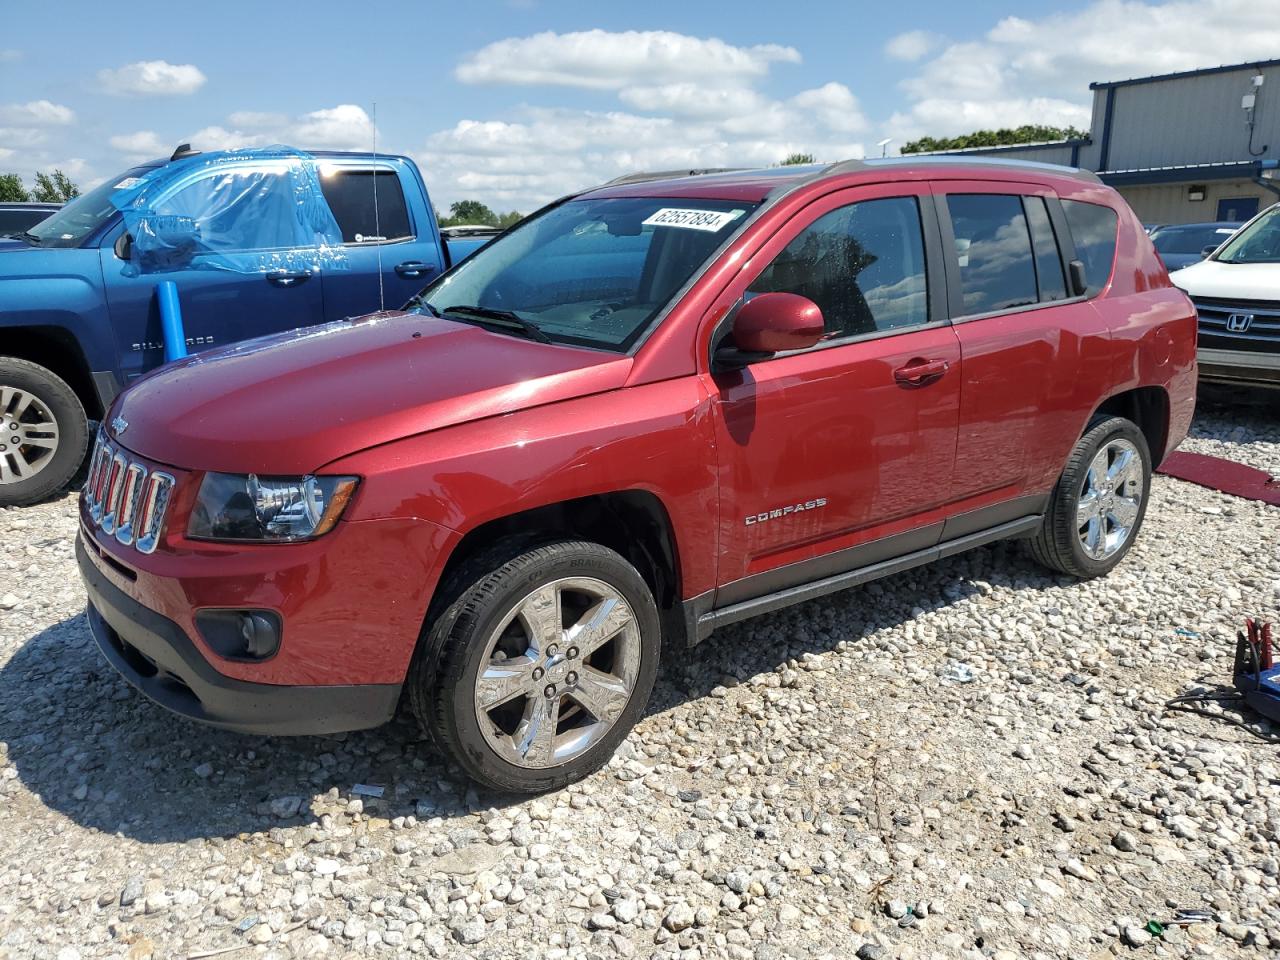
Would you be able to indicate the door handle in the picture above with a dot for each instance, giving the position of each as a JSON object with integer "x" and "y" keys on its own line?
{"x": 283, "y": 278}
{"x": 919, "y": 371}
{"x": 413, "y": 268}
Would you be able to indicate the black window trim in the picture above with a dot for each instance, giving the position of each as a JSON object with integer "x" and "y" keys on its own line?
{"x": 365, "y": 166}
{"x": 1064, "y": 273}
{"x": 1062, "y": 232}
{"x": 1069, "y": 238}
{"x": 935, "y": 283}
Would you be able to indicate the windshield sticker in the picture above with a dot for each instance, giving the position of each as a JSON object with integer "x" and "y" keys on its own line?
{"x": 709, "y": 220}
{"x": 128, "y": 182}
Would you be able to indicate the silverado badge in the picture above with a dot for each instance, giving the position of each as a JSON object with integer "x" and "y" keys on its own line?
{"x": 119, "y": 425}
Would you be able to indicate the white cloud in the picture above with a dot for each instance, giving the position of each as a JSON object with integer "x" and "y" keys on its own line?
{"x": 601, "y": 60}
{"x": 686, "y": 102}
{"x": 344, "y": 127}
{"x": 912, "y": 45}
{"x": 153, "y": 78}
{"x": 142, "y": 144}
{"x": 1038, "y": 70}
{"x": 524, "y": 163}
{"x": 10, "y": 56}
{"x": 36, "y": 113}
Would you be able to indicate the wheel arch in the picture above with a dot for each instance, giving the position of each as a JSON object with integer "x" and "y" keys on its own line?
{"x": 1148, "y": 408}
{"x": 58, "y": 351}
{"x": 633, "y": 523}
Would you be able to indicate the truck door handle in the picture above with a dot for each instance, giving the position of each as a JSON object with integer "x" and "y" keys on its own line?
{"x": 283, "y": 278}
{"x": 918, "y": 371}
{"x": 412, "y": 268}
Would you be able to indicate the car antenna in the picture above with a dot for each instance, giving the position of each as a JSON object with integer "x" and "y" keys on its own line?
{"x": 184, "y": 150}
{"x": 377, "y": 225}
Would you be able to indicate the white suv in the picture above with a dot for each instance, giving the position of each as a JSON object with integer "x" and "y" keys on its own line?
{"x": 1236, "y": 290}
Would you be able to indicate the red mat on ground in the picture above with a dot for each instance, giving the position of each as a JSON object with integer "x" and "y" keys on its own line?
{"x": 1237, "y": 479}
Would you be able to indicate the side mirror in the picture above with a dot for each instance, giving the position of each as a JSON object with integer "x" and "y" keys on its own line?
{"x": 1079, "y": 282}
{"x": 124, "y": 246}
{"x": 772, "y": 323}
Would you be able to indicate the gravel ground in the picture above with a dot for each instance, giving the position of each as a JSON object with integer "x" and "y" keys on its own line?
{"x": 969, "y": 760}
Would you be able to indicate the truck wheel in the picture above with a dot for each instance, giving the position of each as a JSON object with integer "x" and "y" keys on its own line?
{"x": 43, "y": 432}
{"x": 1098, "y": 504}
{"x": 541, "y": 666}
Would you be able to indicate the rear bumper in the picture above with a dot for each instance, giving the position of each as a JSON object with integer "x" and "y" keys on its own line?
{"x": 156, "y": 656}
{"x": 1243, "y": 367}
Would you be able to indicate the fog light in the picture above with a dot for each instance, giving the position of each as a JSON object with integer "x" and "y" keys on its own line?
{"x": 240, "y": 634}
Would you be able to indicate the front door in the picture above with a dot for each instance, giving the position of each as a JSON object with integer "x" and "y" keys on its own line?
{"x": 237, "y": 211}
{"x": 840, "y": 456}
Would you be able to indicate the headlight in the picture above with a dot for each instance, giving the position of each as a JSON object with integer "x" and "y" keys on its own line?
{"x": 274, "y": 509}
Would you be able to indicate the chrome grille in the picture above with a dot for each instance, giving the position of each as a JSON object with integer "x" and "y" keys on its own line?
{"x": 1263, "y": 326}
{"x": 125, "y": 500}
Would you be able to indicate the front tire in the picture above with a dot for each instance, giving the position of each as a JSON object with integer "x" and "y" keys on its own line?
{"x": 540, "y": 666}
{"x": 1098, "y": 505}
{"x": 43, "y": 432}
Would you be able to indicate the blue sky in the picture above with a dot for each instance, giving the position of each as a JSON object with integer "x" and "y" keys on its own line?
{"x": 514, "y": 102}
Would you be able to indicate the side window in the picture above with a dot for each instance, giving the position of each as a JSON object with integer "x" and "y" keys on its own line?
{"x": 1053, "y": 285}
{"x": 1093, "y": 229}
{"x": 240, "y": 209}
{"x": 350, "y": 197}
{"x": 993, "y": 246}
{"x": 863, "y": 265}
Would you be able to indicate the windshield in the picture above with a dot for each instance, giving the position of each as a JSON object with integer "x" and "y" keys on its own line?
{"x": 590, "y": 272}
{"x": 83, "y": 215}
{"x": 1259, "y": 242}
{"x": 1191, "y": 239}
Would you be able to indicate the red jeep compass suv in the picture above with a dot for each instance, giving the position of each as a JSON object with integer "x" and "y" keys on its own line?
{"x": 650, "y": 410}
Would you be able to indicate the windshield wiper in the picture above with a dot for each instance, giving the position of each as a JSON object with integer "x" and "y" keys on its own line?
{"x": 503, "y": 319}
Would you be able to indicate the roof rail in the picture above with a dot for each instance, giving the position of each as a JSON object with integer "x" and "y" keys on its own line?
{"x": 643, "y": 176}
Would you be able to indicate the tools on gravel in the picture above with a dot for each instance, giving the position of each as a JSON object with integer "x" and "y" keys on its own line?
{"x": 1255, "y": 675}
{"x": 1256, "y": 679}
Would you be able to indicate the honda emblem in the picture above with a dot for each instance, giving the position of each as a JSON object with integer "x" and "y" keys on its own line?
{"x": 1239, "y": 322}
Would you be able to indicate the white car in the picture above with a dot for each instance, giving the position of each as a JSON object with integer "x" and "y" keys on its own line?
{"x": 1236, "y": 290}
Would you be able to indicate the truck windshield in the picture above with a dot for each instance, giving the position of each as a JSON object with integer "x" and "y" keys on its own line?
{"x": 1259, "y": 242}
{"x": 83, "y": 215}
{"x": 590, "y": 272}
{"x": 1189, "y": 239}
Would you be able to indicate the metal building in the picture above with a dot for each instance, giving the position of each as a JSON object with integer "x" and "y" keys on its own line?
{"x": 1181, "y": 147}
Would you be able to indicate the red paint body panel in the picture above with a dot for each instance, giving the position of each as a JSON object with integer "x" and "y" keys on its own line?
{"x": 460, "y": 426}
{"x": 290, "y": 403}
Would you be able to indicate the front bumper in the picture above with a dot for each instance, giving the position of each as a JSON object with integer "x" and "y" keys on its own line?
{"x": 1242, "y": 367}
{"x": 155, "y": 655}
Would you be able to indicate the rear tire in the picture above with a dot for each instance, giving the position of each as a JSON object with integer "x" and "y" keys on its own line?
{"x": 1098, "y": 504}
{"x": 540, "y": 666}
{"x": 43, "y": 432}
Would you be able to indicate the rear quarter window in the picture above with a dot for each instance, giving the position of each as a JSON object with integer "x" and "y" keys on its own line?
{"x": 1093, "y": 230}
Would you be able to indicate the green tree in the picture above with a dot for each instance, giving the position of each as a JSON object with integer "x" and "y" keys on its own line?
{"x": 54, "y": 187}
{"x": 1027, "y": 133}
{"x": 509, "y": 219}
{"x": 798, "y": 159}
{"x": 470, "y": 211}
{"x": 11, "y": 188}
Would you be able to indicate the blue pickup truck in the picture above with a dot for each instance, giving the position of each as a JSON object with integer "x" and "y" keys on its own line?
{"x": 78, "y": 320}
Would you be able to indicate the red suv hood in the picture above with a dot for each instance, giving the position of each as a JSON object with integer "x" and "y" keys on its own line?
{"x": 291, "y": 403}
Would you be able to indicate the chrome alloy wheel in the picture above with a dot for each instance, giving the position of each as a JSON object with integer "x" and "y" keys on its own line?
{"x": 557, "y": 672}
{"x": 1110, "y": 499}
{"x": 28, "y": 435}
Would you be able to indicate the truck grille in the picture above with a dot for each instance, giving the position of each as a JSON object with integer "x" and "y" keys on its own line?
{"x": 124, "y": 498}
{"x": 1239, "y": 324}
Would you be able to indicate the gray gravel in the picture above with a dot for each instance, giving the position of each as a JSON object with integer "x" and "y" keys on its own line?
{"x": 969, "y": 760}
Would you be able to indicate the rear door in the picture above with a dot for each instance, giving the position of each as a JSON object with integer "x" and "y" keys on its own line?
{"x": 384, "y": 236}
{"x": 1024, "y": 343}
{"x": 834, "y": 457}
{"x": 218, "y": 306}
